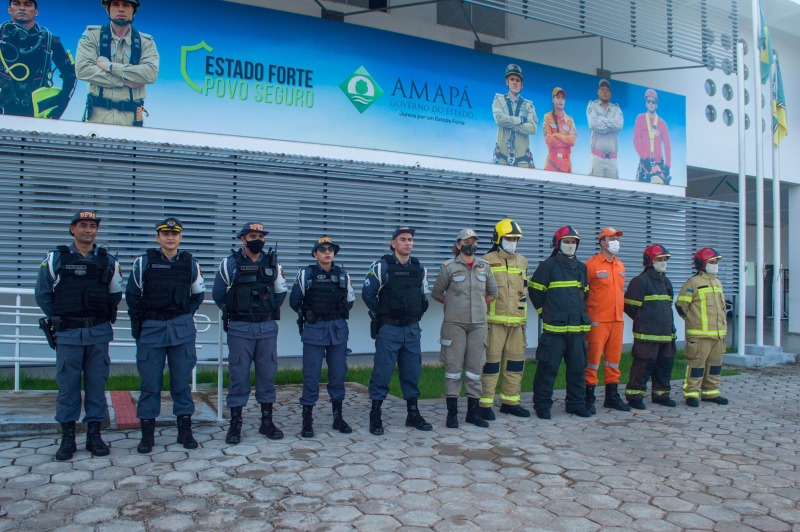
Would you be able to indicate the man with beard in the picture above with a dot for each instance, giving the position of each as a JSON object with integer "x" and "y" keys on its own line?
{"x": 118, "y": 62}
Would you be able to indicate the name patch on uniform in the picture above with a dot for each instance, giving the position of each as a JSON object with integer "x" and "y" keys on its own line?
{"x": 161, "y": 266}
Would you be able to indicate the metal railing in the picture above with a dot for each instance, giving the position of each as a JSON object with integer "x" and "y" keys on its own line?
{"x": 19, "y": 327}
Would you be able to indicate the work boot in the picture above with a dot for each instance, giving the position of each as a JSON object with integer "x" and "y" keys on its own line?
{"x": 267, "y": 427}
{"x": 693, "y": 402}
{"x": 718, "y": 399}
{"x": 515, "y": 410}
{"x": 452, "y": 413}
{"x": 67, "y": 447}
{"x": 613, "y": 400}
{"x": 473, "y": 416}
{"x": 414, "y": 418}
{"x": 94, "y": 443}
{"x": 543, "y": 413}
{"x": 308, "y": 422}
{"x": 375, "y": 423}
{"x": 580, "y": 411}
{"x": 663, "y": 400}
{"x": 487, "y": 413}
{"x": 148, "y": 436}
{"x": 338, "y": 421}
{"x": 234, "y": 435}
{"x": 185, "y": 436}
{"x": 637, "y": 403}
{"x": 589, "y": 399}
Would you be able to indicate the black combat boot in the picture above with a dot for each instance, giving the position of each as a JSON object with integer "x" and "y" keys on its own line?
{"x": 487, "y": 413}
{"x": 613, "y": 400}
{"x": 67, "y": 447}
{"x": 308, "y": 422}
{"x": 185, "y": 436}
{"x": 452, "y": 413}
{"x": 636, "y": 403}
{"x": 473, "y": 416}
{"x": 718, "y": 399}
{"x": 267, "y": 427}
{"x": 580, "y": 411}
{"x": 234, "y": 435}
{"x": 589, "y": 399}
{"x": 148, "y": 436}
{"x": 663, "y": 400}
{"x": 338, "y": 421}
{"x": 414, "y": 418}
{"x": 514, "y": 410}
{"x": 375, "y": 423}
{"x": 94, "y": 443}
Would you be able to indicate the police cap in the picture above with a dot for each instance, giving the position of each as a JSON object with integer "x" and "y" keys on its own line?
{"x": 170, "y": 224}
{"x": 603, "y": 83}
{"x": 325, "y": 241}
{"x": 465, "y": 234}
{"x": 403, "y": 229}
{"x": 252, "y": 227}
{"x": 85, "y": 215}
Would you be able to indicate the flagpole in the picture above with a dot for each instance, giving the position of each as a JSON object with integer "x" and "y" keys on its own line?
{"x": 741, "y": 303}
{"x": 759, "y": 273}
{"x": 777, "y": 289}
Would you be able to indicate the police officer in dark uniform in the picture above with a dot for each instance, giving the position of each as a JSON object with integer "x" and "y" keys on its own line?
{"x": 79, "y": 288}
{"x": 250, "y": 288}
{"x": 28, "y": 53}
{"x": 322, "y": 296}
{"x": 164, "y": 291}
{"x": 394, "y": 292}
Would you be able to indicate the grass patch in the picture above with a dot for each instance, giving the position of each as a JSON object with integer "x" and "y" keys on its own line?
{"x": 431, "y": 382}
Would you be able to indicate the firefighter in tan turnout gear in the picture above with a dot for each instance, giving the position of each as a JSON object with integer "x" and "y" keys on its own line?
{"x": 701, "y": 303}
{"x": 507, "y": 317}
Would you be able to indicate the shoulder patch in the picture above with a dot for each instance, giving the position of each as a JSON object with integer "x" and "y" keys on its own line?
{"x": 689, "y": 290}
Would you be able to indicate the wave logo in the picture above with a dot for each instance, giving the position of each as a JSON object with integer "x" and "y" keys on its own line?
{"x": 361, "y": 89}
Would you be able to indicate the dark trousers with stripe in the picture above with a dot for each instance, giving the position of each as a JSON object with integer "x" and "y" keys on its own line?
{"x": 650, "y": 359}
{"x": 552, "y": 349}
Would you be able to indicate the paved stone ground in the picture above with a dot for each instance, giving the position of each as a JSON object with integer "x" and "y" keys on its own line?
{"x": 722, "y": 468}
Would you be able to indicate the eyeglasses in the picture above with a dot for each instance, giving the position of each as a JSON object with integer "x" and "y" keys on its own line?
{"x": 325, "y": 249}
{"x": 651, "y": 101}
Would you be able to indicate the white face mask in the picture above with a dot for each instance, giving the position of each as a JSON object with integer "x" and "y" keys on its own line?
{"x": 508, "y": 246}
{"x": 613, "y": 247}
{"x": 568, "y": 249}
{"x": 712, "y": 269}
{"x": 660, "y": 267}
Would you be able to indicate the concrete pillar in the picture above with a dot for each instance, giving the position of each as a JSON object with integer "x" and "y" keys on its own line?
{"x": 793, "y": 258}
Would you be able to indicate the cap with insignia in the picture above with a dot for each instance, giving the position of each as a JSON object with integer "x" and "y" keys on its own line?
{"x": 252, "y": 227}
{"x": 325, "y": 241}
{"x": 170, "y": 224}
{"x": 84, "y": 215}
{"x": 403, "y": 229}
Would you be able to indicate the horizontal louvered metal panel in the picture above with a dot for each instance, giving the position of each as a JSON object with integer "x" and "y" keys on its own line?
{"x": 44, "y": 179}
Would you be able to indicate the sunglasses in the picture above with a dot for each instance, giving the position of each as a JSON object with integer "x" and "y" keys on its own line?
{"x": 651, "y": 101}
{"x": 325, "y": 249}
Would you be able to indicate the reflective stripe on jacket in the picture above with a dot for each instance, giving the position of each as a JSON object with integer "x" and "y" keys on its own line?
{"x": 511, "y": 274}
{"x": 702, "y": 305}
{"x": 648, "y": 302}
{"x": 558, "y": 290}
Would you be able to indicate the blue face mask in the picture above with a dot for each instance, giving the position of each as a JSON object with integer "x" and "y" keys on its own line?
{"x": 256, "y": 246}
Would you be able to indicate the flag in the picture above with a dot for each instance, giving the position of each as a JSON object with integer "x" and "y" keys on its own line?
{"x": 764, "y": 46}
{"x": 779, "y": 126}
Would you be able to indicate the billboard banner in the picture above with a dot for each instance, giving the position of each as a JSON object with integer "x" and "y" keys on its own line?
{"x": 225, "y": 68}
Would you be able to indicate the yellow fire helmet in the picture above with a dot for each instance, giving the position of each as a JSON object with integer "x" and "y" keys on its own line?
{"x": 507, "y": 227}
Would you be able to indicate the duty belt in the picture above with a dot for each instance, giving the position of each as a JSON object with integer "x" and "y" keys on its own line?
{"x": 604, "y": 154}
{"x": 329, "y": 317}
{"x": 126, "y": 106}
{"x": 398, "y": 323}
{"x": 161, "y": 316}
{"x": 81, "y": 323}
{"x": 252, "y": 318}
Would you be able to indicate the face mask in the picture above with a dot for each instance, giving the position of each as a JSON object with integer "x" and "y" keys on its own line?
{"x": 469, "y": 249}
{"x": 613, "y": 247}
{"x": 509, "y": 247}
{"x": 568, "y": 249}
{"x": 256, "y": 246}
{"x": 660, "y": 267}
{"x": 712, "y": 269}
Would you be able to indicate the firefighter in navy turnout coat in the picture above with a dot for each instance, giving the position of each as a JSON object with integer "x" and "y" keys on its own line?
{"x": 322, "y": 296}
{"x": 648, "y": 302}
{"x": 250, "y": 288}
{"x": 394, "y": 291}
{"x": 79, "y": 288}
{"x": 558, "y": 290}
{"x": 164, "y": 291}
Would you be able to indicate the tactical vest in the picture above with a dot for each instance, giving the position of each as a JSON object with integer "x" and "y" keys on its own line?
{"x": 35, "y": 52}
{"x": 401, "y": 300}
{"x": 251, "y": 297}
{"x": 105, "y": 48}
{"x": 326, "y": 298}
{"x": 82, "y": 289}
{"x": 167, "y": 286}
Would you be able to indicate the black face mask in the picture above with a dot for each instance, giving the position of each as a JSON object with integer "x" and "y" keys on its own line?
{"x": 256, "y": 246}
{"x": 469, "y": 249}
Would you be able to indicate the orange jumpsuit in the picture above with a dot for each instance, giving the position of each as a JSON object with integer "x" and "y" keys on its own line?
{"x": 605, "y": 305}
{"x": 560, "y": 135}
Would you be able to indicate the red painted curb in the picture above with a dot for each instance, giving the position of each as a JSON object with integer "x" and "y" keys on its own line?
{"x": 124, "y": 410}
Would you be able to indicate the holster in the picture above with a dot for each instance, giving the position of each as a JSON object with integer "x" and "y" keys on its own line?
{"x": 136, "y": 326}
{"x": 47, "y": 328}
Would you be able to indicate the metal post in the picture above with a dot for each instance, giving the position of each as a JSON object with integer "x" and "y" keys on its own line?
{"x": 759, "y": 273}
{"x": 777, "y": 289}
{"x": 219, "y": 366}
{"x": 18, "y": 323}
{"x": 742, "y": 299}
